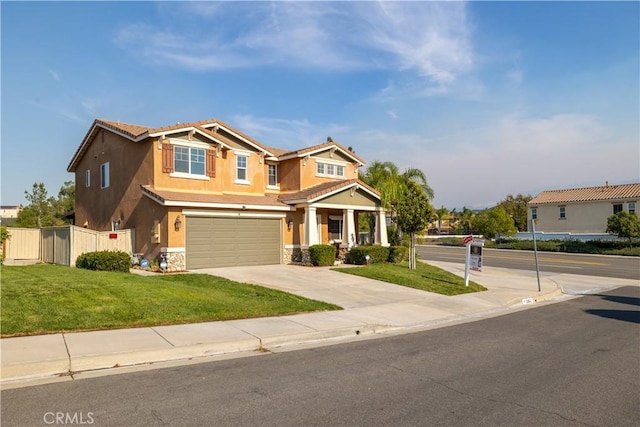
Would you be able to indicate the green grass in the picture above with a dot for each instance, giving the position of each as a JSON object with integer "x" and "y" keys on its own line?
{"x": 42, "y": 299}
{"x": 425, "y": 277}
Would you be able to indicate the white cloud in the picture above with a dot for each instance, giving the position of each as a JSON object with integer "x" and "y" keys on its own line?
{"x": 515, "y": 76}
{"x": 54, "y": 74}
{"x": 430, "y": 39}
{"x": 392, "y": 115}
{"x": 479, "y": 167}
{"x": 286, "y": 134}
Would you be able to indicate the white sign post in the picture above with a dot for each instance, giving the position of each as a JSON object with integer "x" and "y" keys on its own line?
{"x": 473, "y": 256}
{"x": 467, "y": 243}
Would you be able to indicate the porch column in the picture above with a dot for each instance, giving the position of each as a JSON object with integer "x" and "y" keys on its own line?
{"x": 381, "y": 229}
{"x": 310, "y": 226}
{"x": 348, "y": 228}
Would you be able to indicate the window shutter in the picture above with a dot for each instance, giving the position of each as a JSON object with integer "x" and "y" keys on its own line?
{"x": 211, "y": 163}
{"x": 167, "y": 158}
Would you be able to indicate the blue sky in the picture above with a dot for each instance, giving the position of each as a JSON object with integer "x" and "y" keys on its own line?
{"x": 487, "y": 98}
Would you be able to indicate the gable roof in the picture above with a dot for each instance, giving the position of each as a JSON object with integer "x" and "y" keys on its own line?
{"x": 326, "y": 189}
{"x": 320, "y": 148}
{"x": 588, "y": 194}
{"x": 136, "y": 133}
{"x": 207, "y": 128}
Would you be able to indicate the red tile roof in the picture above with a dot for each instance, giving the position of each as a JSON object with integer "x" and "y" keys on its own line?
{"x": 164, "y": 196}
{"x": 317, "y": 147}
{"x": 588, "y": 194}
{"x": 321, "y": 189}
{"x": 138, "y": 132}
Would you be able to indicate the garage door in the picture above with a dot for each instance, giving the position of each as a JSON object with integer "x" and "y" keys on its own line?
{"x": 224, "y": 242}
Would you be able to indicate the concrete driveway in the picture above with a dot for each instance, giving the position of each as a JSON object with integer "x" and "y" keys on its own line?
{"x": 320, "y": 283}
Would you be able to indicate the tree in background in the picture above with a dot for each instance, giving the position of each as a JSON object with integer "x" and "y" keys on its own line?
{"x": 516, "y": 208}
{"x": 413, "y": 214}
{"x": 45, "y": 211}
{"x": 441, "y": 214}
{"x": 386, "y": 178}
{"x": 493, "y": 221}
{"x": 464, "y": 221}
{"x": 624, "y": 224}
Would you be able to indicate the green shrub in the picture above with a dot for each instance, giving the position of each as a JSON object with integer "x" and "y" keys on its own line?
{"x": 398, "y": 254}
{"x": 105, "y": 261}
{"x": 358, "y": 255}
{"x": 322, "y": 255}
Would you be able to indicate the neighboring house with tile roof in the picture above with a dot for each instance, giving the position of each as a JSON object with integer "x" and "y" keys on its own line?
{"x": 581, "y": 210}
{"x": 207, "y": 195}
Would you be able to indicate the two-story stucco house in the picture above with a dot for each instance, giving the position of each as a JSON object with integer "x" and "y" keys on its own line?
{"x": 207, "y": 195}
{"x": 582, "y": 210}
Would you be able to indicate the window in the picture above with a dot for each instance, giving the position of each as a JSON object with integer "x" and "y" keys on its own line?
{"x": 534, "y": 213}
{"x": 335, "y": 228}
{"x": 563, "y": 212}
{"x": 331, "y": 170}
{"x": 104, "y": 175}
{"x": 189, "y": 160}
{"x": 632, "y": 207}
{"x": 617, "y": 207}
{"x": 241, "y": 168}
{"x": 273, "y": 175}
{"x": 87, "y": 178}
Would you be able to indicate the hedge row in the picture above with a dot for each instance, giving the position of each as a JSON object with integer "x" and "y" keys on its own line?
{"x": 105, "y": 261}
{"x": 358, "y": 254}
{"x": 322, "y": 255}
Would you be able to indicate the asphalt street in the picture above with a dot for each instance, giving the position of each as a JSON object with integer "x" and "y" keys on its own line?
{"x": 569, "y": 363}
{"x": 556, "y": 262}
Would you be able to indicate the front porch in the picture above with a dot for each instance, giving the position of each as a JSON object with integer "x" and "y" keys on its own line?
{"x": 332, "y": 218}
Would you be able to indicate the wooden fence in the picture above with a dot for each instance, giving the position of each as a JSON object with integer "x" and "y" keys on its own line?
{"x": 63, "y": 245}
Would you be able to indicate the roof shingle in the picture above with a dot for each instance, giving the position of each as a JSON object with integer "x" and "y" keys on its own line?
{"x": 588, "y": 194}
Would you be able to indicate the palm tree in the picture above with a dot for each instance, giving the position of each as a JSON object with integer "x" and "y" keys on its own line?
{"x": 441, "y": 214}
{"x": 386, "y": 178}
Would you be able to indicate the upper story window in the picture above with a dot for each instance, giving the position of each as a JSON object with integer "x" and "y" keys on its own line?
{"x": 329, "y": 169}
{"x": 87, "y": 178}
{"x": 617, "y": 207}
{"x": 563, "y": 212}
{"x": 272, "y": 172}
{"x": 189, "y": 160}
{"x": 632, "y": 207}
{"x": 104, "y": 175}
{"x": 534, "y": 213}
{"x": 242, "y": 164}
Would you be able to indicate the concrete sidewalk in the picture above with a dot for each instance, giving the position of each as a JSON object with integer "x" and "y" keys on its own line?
{"x": 371, "y": 309}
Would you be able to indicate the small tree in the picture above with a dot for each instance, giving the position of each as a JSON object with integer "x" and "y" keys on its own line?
{"x": 414, "y": 213}
{"x": 516, "y": 208}
{"x": 624, "y": 224}
{"x": 494, "y": 221}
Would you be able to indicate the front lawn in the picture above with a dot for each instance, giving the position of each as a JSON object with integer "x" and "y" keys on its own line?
{"x": 425, "y": 277}
{"x": 42, "y": 299}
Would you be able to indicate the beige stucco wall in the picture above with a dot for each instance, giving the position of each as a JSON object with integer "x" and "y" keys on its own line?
{"x": 580, "y": 217}
{"x": 130, "y": 164}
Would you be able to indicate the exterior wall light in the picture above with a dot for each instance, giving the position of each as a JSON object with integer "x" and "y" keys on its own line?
{"x": 178, "y": 223}
{"x": 289, "y": 224}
